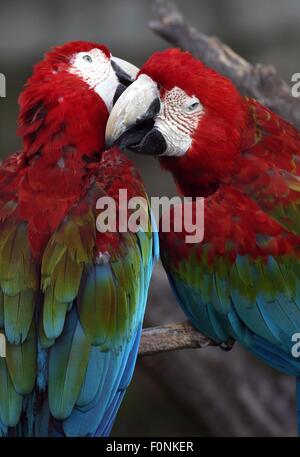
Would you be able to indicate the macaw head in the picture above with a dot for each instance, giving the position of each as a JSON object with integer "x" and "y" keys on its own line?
{"x": 70, "y": 94}
{"x": 184, "y": 113}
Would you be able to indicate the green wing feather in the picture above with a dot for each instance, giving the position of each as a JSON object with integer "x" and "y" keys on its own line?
{"x": 69, "y": 249}
{"x": 21, "y": 362}
{"x": 18, "y": 279}
{"x": 19, "y": 288}
{"x": 67, "y": 366}
{"x": 10, "y": 400}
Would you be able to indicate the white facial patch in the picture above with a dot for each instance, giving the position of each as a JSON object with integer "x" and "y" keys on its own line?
{"x": 94, "y": 67}
{"x": 178, "y": 119}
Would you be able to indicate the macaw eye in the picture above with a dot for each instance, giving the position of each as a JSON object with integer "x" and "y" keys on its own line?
{"x": 193, "y": 106}
{"x": 87, "y": 58}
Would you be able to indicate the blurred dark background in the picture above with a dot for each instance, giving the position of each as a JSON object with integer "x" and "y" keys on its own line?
{"x": 193, "y": 392}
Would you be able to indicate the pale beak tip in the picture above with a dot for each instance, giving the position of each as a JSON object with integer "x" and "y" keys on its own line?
{"x": 109, "y": 143}
{"x": 112, "y": 134}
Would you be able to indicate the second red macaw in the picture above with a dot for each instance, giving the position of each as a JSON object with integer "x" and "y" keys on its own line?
{"x": 243, "y": 280}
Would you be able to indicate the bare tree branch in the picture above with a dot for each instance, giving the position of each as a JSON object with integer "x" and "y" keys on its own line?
{"x": 259, "y": 81}
{"x": 172, "y": 337}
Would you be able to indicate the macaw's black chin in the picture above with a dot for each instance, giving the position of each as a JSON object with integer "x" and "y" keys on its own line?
{"x": 153, "y": 144}
{"x": 143, "y": 139}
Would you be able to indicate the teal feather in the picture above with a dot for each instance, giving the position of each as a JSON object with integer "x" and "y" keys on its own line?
{"x": 68, "y": 362}
{"x": 94, "y": 377}
{"x": 10, "y": 400}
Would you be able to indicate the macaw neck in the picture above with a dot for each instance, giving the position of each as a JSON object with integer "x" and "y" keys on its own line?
{"x": 193, "y": 180}
{"x": 61, "y": 117}
{"x": 212, "y": 157}
{"x": 62, "y": 137}
{"x": 200, "y": 188}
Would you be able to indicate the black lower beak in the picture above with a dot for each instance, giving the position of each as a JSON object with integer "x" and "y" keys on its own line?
{"x": 132, "y": 138}
{"x": 153, "y": 144}
{"x": 143, "y": 137}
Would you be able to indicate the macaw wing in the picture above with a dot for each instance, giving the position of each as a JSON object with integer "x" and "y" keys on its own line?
{"x": 242, "y": 281}
{"x": 269, "y": 168}
{"x": 94, "y": 305}
{"x": 19, "y": 293}
{"x": 72, "y": 324}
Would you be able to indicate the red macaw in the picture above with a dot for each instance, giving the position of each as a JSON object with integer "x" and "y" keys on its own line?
{"x": 242, "y": 281}
{"x": 72, "y": 298}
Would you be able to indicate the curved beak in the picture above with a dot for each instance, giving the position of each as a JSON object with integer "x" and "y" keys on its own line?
{"x": 125, "y": 72}
{"x": 131, "y": 121}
